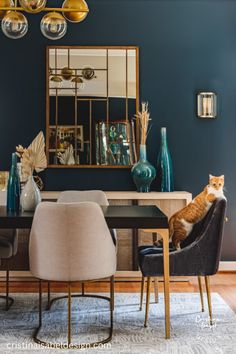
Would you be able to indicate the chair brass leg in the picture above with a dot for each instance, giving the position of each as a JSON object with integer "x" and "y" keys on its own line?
{"x": 142, "y": 291}
{"x": 201, "y": 292}
{"x": 69, "y": 314}
{"x": 49, "y": 295}
{"x": 7, "y": 288}
{"x": 207, "y": 282}
{"x": 40, "y": 303}
{"x": 156, "y": 292}
{"x": 69, "y": 342}
{"x": 147, "y": 300}
{"x": 112, "y": 303}
{"x": 8, "y": 300}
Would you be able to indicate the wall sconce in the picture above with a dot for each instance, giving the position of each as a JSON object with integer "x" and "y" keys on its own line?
{"x": 207, "y": 105}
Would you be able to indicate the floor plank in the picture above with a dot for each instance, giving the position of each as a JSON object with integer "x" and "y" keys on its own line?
{"x": 222, "y": 283}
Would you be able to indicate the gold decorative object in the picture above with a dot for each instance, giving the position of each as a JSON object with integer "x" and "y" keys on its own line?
{"x": 33, "y": 6}
{"x": 207, "y": 105}
{"x": 4, "y": 3}
{"x": 88, "y": 73}
{"x": 67, "y": 73}
{"x": 15, "y": 25}
{"x": 56, "y": 81}
{"x": 82, "y": 10}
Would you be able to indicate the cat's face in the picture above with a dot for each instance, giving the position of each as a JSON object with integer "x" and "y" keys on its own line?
{"x": 217, "y": 182}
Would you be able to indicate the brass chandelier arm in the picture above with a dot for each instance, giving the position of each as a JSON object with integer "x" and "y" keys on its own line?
{"x": 46, "y": 9}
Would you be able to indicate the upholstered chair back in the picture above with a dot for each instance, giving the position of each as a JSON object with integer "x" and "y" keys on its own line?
{"x": 83, "y": 196}
{"x": 87, "y": 196}
{"x": 71, "y": 242}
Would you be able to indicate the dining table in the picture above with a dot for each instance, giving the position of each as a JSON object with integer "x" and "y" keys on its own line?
{"x": 149, "y": 218}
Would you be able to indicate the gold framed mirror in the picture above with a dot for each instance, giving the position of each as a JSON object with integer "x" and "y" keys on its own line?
{"x": 92, "y": 96}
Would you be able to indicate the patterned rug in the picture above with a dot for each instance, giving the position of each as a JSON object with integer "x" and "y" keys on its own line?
{"x": 190, "y": 330}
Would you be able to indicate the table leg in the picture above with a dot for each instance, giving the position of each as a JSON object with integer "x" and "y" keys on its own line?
{"x": 165, "y": 235}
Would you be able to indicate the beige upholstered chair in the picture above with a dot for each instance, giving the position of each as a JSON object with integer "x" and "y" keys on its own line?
{"x": 83, "y": 196}
{"x": 71, "y": 243}
{"x": 96, "y": 196}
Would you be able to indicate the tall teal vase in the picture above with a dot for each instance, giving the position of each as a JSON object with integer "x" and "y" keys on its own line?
{"x": 13, "y": 187}
{"x": 165, "y": 177}
{"x": 143, "y": 172}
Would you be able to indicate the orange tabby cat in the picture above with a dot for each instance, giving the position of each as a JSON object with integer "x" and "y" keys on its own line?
{"x": 182, "y": 222}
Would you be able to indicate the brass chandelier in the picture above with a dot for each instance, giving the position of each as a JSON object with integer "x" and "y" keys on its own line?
{"x": 53, "y": 25}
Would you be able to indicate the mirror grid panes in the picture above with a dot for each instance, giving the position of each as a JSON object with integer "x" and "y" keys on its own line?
{"x": 92, "y": 98}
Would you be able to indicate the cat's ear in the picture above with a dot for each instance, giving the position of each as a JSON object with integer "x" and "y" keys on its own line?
{"x": 222, "y": 177}
{"x": 210, "y": 177}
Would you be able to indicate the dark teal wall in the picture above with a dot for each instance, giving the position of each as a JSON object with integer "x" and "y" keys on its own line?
{"x": 185, "y": 46}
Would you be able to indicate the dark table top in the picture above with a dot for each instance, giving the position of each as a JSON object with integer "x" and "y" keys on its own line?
{"x": 120, "y": 217}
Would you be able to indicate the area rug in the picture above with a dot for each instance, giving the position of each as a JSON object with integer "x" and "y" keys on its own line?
{"x": 190, "y": 330}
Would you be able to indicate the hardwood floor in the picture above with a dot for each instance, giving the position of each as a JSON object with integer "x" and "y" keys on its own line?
{"x": 222, "y": 283}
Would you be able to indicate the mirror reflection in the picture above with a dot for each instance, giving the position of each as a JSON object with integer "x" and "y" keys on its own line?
{"x": 92, "y": 99}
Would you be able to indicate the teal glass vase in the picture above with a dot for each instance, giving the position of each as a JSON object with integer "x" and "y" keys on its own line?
{"x": 165, "y": 177}
{"x": 13, "y": 187}
{"x": 143, "y": 172}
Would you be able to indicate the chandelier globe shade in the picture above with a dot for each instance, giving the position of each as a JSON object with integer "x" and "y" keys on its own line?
{"x": 74, "y": 16}
{"x": 4, "y": 3}
{"x": 14, "y": 25}
{"x": 33, "y": 6}
{"x": 53, "y": 26}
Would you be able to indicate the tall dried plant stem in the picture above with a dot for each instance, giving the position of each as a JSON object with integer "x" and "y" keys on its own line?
{"x": 143, "y": 117}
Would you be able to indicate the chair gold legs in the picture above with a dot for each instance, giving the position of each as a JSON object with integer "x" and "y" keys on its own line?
{"x": 208, "y": 290}
{"x": 9, "y": 300}
{"x": 49, "y": 295}
{"x": 69, "y": 339}
{"x": 147, "y": 301}
{"x": 141, "y": 294}
{"x": 69, "y": 314}
{"x": 201, "y": 292}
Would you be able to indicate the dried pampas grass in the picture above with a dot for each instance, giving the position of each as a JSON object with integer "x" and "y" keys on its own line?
{"x": 143, "y": 119}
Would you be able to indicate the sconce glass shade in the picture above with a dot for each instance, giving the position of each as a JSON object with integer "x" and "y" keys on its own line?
{"x": 33, "y": 6}
{"x": 207, "y": 105}
{"x": 53, "y": 26}
{"x": 4, "y": 3}
{"x": 14, "y": 25}
{"x": 74, "y": 16}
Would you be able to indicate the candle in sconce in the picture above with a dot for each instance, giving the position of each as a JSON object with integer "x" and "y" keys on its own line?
{"x": 207, "y": 105}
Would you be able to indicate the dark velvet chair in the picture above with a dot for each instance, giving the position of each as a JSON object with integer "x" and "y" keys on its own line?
{"x": 199, "y": 255}
{"x": 8, "y": 249}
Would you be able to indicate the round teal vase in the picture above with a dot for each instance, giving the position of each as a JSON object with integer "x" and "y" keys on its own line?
{"x": 143, "y": 172}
